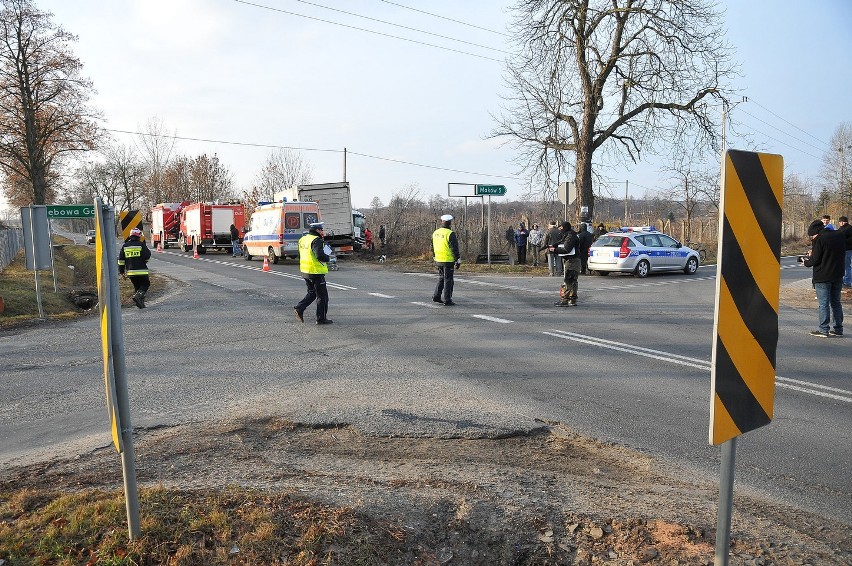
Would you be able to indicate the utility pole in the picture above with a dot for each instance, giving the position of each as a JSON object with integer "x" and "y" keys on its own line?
{"x": 344, "y": 164}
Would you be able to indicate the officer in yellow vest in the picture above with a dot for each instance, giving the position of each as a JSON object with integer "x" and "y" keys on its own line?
{"x": 313, "y": 263}
{"x": 133, "y": 263}
{"x": 446, "y": 248}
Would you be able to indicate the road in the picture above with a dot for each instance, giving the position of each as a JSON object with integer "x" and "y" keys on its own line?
{"x": 630, "y": 365}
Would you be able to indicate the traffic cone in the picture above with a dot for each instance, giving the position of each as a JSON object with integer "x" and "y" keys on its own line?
{"x": 160, "y": 246}
{"x": 194, "y": 252}
{"x": 265, "y": 264}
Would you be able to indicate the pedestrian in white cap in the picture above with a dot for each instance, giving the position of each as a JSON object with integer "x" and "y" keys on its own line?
{"x": 445, "y": 245}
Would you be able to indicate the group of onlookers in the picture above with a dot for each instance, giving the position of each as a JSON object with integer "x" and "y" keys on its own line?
{"x": 535, "y": 240}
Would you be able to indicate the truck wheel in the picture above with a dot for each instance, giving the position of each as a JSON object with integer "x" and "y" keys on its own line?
{"x": 246, "y": 254}
{"x": 272, "y": 257}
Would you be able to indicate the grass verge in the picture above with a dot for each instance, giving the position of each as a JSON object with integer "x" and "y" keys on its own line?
{"x": 232, "y": 526}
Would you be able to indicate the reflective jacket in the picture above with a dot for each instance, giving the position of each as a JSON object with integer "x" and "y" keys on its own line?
{"x": 133, "y": 257}
{"x": 311, "y": 257}
{"x": 445, "y": 245}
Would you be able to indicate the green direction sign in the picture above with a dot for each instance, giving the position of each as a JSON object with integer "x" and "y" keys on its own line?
{"x": 497, "y": 190}
{"x": 70, "y": 211}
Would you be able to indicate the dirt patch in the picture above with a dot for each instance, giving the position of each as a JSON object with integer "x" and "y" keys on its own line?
{"x": 552, "y": 497}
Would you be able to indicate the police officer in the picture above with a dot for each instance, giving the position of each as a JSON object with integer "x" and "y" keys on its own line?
{"x": 313, "y": 263}
{"x": 445, "y": 245}
{"x": 133, "y": 263}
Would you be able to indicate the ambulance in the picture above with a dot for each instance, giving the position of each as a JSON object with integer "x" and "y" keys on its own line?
{"x": 276, "y": 227}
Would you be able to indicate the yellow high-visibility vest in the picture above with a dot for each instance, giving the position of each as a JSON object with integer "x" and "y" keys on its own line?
{"x": 441, "y": 245}
{"x": 307, "y": 262}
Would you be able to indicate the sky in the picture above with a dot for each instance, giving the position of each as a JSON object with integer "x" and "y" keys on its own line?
{"x": 249, "y": 78}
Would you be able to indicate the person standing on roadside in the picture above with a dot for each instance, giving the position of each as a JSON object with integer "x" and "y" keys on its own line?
{"x": 510, "y": 238}
{"x": 845, "y": 229}
{"x": 600, "y": 231}
{"x": 445, "y": 246}
{"x": 534, "y": 240}
{"x": 551, "y": 239}
{"x": 586, "y": 239}
{"x": 568, "y": 250}
{"x": 382, "y": 235}
{"x": 521, "y": 236}
{"x": 313, "y": 263}
{"x": 826, "y": 220}
{"x": 133, "y": 264}
{"x": 826, "y": 256}
{"x": 235, "y": 241}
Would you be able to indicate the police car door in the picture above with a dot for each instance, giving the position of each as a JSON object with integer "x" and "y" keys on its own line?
{"x": 676, "y": 258}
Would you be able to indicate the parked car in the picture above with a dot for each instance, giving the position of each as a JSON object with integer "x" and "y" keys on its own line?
{"x": 90, "y": 236}
{"x": 640, "y": 251}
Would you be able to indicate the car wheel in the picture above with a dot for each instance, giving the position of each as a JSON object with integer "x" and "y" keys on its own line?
{"x": 643, "y": 268}
{"x": 272, "y": 257}
{"x": 691, "y": 265}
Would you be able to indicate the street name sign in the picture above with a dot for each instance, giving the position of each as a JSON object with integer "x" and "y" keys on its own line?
{"x": 493, "y": 190}
{"x": 70, "y": 211}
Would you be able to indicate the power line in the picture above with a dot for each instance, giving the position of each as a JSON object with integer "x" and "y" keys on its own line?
{"x": 367, "y": 30}
{"x": 445, "y": 18}
{"x": 785, "y": 143}
{"x": 782, "y": 131}
{"x": 273, "y": 146}
{"x": 402, "y": 26}
{"x": 786, "y": 121}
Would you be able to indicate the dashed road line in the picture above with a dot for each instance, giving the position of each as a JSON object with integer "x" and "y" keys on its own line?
{"x": 429, "y": 305}
{"x": 382, "y": 295}
{"x": 492, "y": 318}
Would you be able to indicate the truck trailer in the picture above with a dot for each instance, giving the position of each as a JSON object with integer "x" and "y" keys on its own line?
{"x": 344, "y": 226}
{"x": 205, "y": 226}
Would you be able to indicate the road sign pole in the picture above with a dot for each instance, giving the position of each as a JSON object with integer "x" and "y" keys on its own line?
{"x": 488, "y": 250}
{"x": 726, "y": 502}
{"x": 52, "y": 254}
{"x": 35, "y": 265}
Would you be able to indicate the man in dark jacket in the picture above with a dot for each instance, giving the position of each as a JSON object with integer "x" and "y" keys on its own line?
{"x": 586, "y": 240}
{"x": 568, "y": 249}
{"x": 521, "y": 236}
{"x": 845, "y": 229}
{"x": 552, "y": 237}
{"x": 133, "y": 263}
{"x": 826, "y": 256}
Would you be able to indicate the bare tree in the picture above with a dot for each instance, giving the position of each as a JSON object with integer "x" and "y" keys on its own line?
{"x": 836, "y": 170}
{"x": 283, "y": 169}
{"x": 619, "y": 77}
{"x": 44, "y": 112}
{"x": 125, "y": 169}
{"x": 210, "y": 180}
{"x": 155, "y": 145}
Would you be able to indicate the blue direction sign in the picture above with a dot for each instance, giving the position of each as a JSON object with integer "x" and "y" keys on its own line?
{"x": 495, "y": 190}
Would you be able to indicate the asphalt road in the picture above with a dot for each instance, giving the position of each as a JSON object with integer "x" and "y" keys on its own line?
{"x": 629, "y": 365}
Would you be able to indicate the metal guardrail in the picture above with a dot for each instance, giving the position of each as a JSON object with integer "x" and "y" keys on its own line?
{"x": 11, "y": 242}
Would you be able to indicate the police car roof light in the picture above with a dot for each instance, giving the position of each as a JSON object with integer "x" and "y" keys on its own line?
{"x": 638, "y": 229}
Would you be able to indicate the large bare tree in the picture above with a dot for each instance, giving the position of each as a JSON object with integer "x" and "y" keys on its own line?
{"x": 619, "y": 77}
{"x": 837, "y": 165}
{"x": 155, "y": 144}
{"x": 44, "y": 111}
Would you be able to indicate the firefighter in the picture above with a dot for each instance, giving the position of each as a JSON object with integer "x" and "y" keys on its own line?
{"x": 133, "y": 263}
{"x": 313, "y": 263}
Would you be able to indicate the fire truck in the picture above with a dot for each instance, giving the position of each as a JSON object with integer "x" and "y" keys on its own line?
{"x": 205, "y": 225}
{"x": 165, "y": 223}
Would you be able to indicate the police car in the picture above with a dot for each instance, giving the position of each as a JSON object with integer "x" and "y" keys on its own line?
{"x": 640, "y": 250}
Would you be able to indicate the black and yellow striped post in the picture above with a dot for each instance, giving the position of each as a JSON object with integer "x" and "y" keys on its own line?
{"x": 748, "y": 279}
{"x": 747, "y": 285}
{"x": 129, "y": 220}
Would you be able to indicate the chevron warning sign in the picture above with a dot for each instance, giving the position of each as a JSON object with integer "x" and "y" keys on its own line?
{"x": 748, "y": 278}
{"x": 129, "y": 219}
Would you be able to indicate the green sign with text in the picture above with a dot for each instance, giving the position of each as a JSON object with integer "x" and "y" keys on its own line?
{"x": 70, "y": 211}
{"x": 496, "y": 190}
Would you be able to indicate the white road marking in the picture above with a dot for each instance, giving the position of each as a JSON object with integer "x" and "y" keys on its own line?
{"x": 492, "y": 318}
{"x": 430, "y": 305}
{"x": 784, "y": 382}
{"x": 255, "y": 268}
{"x": 383, "y": 296}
